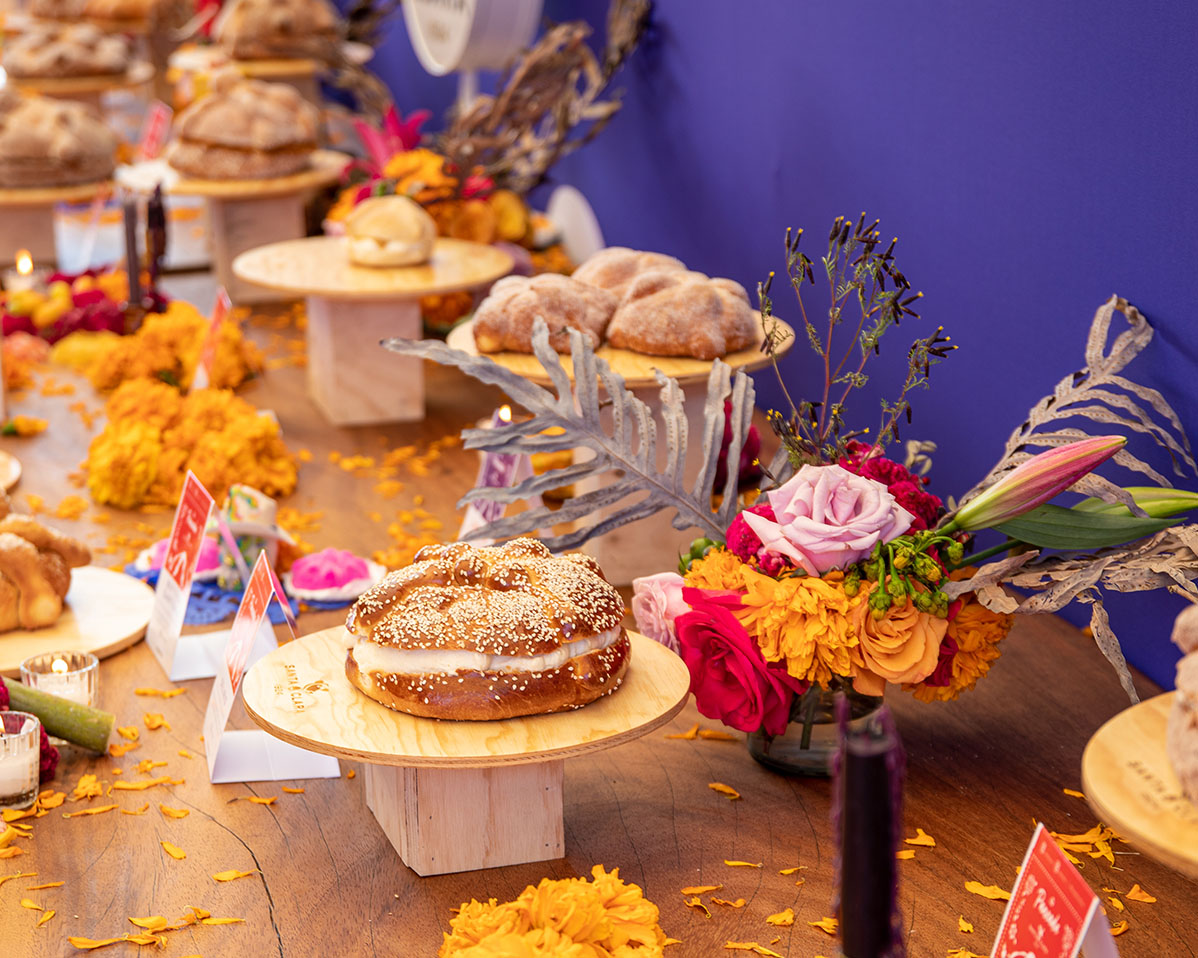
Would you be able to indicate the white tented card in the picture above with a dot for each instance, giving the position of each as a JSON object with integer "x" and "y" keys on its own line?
{"x": 1053, "y": 912}
{"x": 174, "y": 582}
{"x": 252, "y": 755}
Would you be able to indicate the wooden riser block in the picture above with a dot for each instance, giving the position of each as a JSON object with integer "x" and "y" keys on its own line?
{"x": 243, "y": 224}
{"x": 31, "y": 228}
{"x": 351, "y": 377}
{"x": 444, "y": 820}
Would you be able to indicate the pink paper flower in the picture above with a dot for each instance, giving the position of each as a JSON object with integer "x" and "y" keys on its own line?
{"x": 828, "y": 518}
{"x": 656, "y": 602}
{"x": 328, "y": 569}
{"x": 730, "y": 679}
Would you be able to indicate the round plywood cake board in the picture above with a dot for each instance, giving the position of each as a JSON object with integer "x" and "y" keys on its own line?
{"x": 105, "y": 612}
{"x": 635, "y": 368}
{"x": 325, "y": 169}
{"x": 138, "y": 74}
{"x": 320, "y": 266}
{"x": 1130, "y": 784}
{"x": 299, "y": 693}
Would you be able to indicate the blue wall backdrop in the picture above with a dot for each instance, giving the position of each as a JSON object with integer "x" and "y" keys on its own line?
{"x": 1033, "y": 159}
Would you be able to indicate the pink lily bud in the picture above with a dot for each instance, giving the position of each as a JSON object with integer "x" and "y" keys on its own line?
{"x": 1035, "y": 482}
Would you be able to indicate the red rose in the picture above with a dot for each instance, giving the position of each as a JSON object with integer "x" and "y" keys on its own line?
{"x": 729, "y": 677}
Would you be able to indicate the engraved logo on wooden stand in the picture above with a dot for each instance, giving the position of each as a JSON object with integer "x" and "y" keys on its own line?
{"x": 301, "y": 693}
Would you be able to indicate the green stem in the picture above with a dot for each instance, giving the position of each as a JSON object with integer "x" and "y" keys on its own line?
{"x": 812, "y": 700}
{"x": 79, "y": 724}
{"x": 987, "y": 553}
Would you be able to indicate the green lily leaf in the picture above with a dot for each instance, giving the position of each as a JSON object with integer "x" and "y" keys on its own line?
{"x": 1157, "y": 501}
{"x": 1054, "y": 527}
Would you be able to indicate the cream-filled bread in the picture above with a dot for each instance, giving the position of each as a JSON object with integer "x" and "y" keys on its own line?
{"x": 389, "y": 231}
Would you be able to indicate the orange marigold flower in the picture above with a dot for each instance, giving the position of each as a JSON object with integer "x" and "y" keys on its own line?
{"x": 977, "y": 632}
{"x": 719, "y": 569}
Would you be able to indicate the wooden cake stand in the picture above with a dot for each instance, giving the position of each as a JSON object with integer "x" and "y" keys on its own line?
{"x": 649, "y": 545}
{"x": 27, "y": 217}
{"x": 104, "y": 612}
{"x": 88, "y": 89}
{"x": 1131, "y": 786}
{"x": 456, "y": 796}
{"x": 351, "y": 308}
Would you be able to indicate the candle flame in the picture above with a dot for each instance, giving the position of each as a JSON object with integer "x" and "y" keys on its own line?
{"x": 24, "y": 262}
{"x": 505, "y": 413}
{"x": 60, "y": 666}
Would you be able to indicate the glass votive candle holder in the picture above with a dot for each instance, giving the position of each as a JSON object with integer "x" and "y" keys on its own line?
{"x": 20, "y": 758}
{"x": 70, "y": 675}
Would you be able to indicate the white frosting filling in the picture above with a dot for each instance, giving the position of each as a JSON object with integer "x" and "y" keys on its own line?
{"x": 372, "y": 657}
{"x": 370, "y": 249}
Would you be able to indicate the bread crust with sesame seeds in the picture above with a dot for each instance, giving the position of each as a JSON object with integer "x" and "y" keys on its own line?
{"x": 490, "y": 633}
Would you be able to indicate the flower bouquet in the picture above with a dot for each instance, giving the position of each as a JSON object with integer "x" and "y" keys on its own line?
{"x": 844, "y": 572}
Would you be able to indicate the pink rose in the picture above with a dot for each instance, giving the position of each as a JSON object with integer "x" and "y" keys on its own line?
{"x": 730, "y": 679}
{"x": 656, "y": 602}
{"x": 828, "y": 518}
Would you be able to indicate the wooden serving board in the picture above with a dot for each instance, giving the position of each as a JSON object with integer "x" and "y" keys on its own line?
{"x": 137, "y": 74}
{"x": 636, "y": 368}
{"x": 49, "y": 195}
{"x": 105, "y": 612}
{"x": 1130, "y": 784}
{"x": 320, "y": 266}
{"x": 325, "y": 168}
{"x": 299, "y": 693}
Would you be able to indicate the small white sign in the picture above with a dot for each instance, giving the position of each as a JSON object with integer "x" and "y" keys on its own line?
{"x": 450, "y": 35}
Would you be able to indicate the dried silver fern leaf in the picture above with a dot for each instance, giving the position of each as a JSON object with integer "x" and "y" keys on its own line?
{"x": 626, "y": 454}
{"x": 1099, "y": 393}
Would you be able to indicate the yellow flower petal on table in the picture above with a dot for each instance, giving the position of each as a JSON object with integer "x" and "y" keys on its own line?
{"x": 173, "y": 850}
{"x": 716, "y": 735}
{"x": 155, "y": 720}
{"x": 737, "y": 864}
{"x": 15, "y": 815}
{"x": 829, "y": 925}
{"x": 723, "y": 789}
{"x": 904, "y": 853}
{"x": 256, "y": 799}
{"x": 1097, "y": 833}
{"x": 964, "y": 926}
{"x": 135, "y": 811}
{"x": 1116, "y": 903}
{"x": 146, "y": 938}
{"x": 8, "y": 835}
{"x": 98, "y": 810}
{"x": 185, "y": 754}
{"x": 4, "y": 878}
{"x": 1119, "y": 928}
{"x": 1102, "y": 849}
{"x": 293, "y": 791}
{"x": 351, "y": 773}
{"x": 739, "y": 903}
{"x": 31, "y": 904}
{"x": 1138, "y": 894}
{"x": 691, "y": 733}
{"x": 11, "y": 852}
{"x": 700, "y": 889}
{"x": 49, "y": 884}
{"x": 152, "y": 923}
{"x": 53, "y": 800}
{"x": 791, "y": 871}
{"x": 964, "y": 953}
{"x": 174, "y": 812}
{"x": 87, "y": 787}
{"x": 116, "y": 751}
{"x": 146, "y": 783}
{"x": 993, "y": 892}
{"x": 86, "y": 944}
{"x": 782, "y": 919}
{"x": 1073, "y": 792}
{"x": 129, "y": 732}
{"x": 159, "y": 692}
{"x": 698, "y": 905}
{"x": 668, "y": 941}
{"x": 45, "y": 917}
{"x": 222, "y": 921}
{"x": 750, "y": 946}
{"x": 921, "y": 838}
{"x": 233, "y": 874}
{"x": 147, "y": 765}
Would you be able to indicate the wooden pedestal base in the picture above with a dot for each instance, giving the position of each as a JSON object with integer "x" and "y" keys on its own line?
{"x": 31, "y": 228}
{"x": 351, "y": 377}
{"x": 443, "y": 820}
{"x": 241, "y": 224}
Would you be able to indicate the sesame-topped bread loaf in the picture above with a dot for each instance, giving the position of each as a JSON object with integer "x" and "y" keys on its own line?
{"x": 488, "y": 633}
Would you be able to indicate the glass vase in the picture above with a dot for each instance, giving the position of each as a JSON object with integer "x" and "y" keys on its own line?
{"x": 811, "y": 739}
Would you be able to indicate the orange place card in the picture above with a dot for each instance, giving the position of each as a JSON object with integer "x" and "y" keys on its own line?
{"x": 202, "y": 376}
{"x": 1052, "y": 910}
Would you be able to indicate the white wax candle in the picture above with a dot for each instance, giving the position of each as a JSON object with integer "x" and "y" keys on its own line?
{"x": 18, "y": 774}
{"x": 19, "y": 759}
{"x": 72, "y": 686}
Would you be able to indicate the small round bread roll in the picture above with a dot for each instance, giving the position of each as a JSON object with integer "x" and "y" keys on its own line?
{"x": 488, "y": 633}
{"x": 389, "y": 231}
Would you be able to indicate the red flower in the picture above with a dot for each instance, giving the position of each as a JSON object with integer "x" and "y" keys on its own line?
{"x": 943, "y": 673}
{"x": 729, "y": 677}
{"x": 749, "y": 468}
{"x": 746, "y": 545}
{"x": 904, "y": 485}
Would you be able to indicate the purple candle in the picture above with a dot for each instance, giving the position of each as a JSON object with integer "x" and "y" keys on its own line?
{"x": 132, "y": 260}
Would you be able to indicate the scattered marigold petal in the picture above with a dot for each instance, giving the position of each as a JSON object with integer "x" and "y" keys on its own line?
{"x": 45, "y": 917}
{"x": 750, "y": 946}
{"x": 921, "y": 838}
{"x": 15, "y": 815}
{"x": 1116, "y": 903}
{"x": 31, "y": 904}
{"x": 86, "y": 944}
{"x": 116, "y": 750}
{"x": 905, "y": 853}
{"x": 964, "y": 926}
{"x": 87, "y": 787}
{"x": 49, "y": 884}
{"x": 1119, "y": 928}
{"x": 11, "y": 852}
{"x": 233, "y": 874}
{"x": 221, "y": 921}
{"x": 1102, "y": 849}
{"x": 700, "y": 889}
{"x": 964, "y": 953}
{"x": 723, "y": 789}
{"x": 668, "y": 941}
{"x": 717, "y": 735}
{"x": 152, "y": 923}
{"x": 129, "y": 732}
{"x": 159, "y": 692}
{"x": 783, "y": 919}
{"x": 173, "y": 850}
{"x": 174, "y": 812}
{"x": 1073, "y": 792}
{"x": 698, "y": 905}
{"x": 256, "y": 799}
{"x": 1138, "y": 894}
{"x": 739, "y": 903}
{"x": 352, "y": 773}
{"x": 146, "y": 939}
{"x": 293, "y": 791}
{"x": 155, "y": 721}
{"x": 147, "y": 765}
{"x": 98, "y": 810}
{"x": 183, "y": 753}
{"x": 53, "y": 800}
{"x": 135, "y": 811}
{"x": 690, "y": 733}
{"x": 993, "y": 892}
{"x": 736, "y": 864}
{"x": 791, "y": 871}
{"x": 828, "y": 925}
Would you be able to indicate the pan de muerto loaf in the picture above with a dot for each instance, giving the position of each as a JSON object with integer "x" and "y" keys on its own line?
{"x": 504, "y": 320}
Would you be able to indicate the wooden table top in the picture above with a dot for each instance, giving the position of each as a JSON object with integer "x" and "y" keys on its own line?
{"x": 981, "y": 770}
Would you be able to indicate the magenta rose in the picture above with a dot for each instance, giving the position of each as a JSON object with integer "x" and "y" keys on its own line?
{"x": 828, "y": 518}
{"x": 730, "y": 679}
{"x": 656, "y": 602}
{"x": 904, "y": 485}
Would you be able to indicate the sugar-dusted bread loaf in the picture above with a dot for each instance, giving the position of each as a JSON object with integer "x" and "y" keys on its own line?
{"x": 679, "y": 313}
{"x": 47, "y": 142}
{"x": 245, "y": 129}
{"x": 488, "y": 633}
{"x": 35, "y": 572}
{"x": 504, "y": 320}
{"x": 54, "y": 50}
{"x": 615, "y": 268}
{"x": 1181, "y": 735}
{"x": 118, "y": 14}
{"x": 277, "y": 29}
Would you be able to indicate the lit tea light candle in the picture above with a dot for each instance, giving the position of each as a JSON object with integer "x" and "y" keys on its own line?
{"x": 23, "y": 276}
{"x": 20, "y": 751}
{"x": 69, "y": 675}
